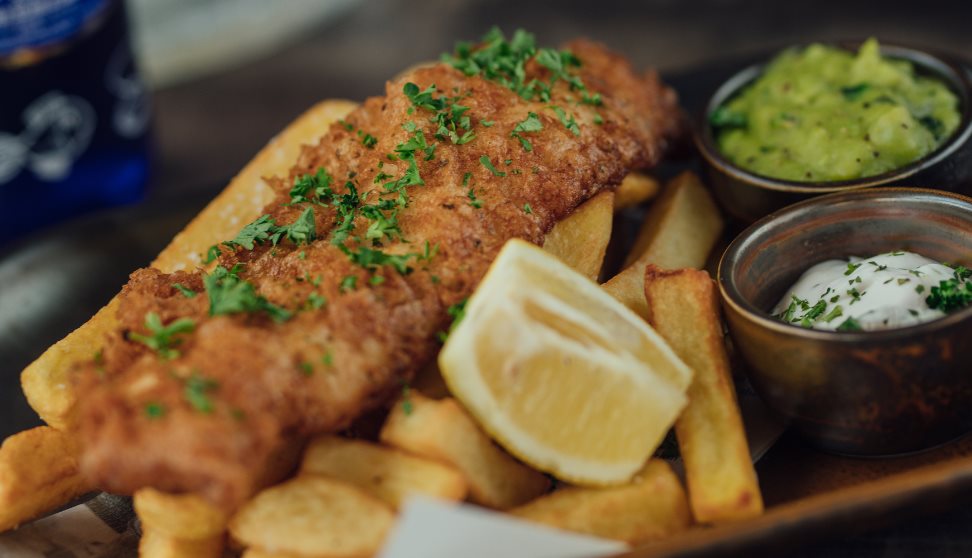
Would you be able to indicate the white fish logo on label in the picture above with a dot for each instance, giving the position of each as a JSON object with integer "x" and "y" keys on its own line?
{"x": 57, "y": 130}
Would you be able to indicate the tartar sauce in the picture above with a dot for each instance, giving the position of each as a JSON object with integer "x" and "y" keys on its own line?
{"x": 881, "y": 292}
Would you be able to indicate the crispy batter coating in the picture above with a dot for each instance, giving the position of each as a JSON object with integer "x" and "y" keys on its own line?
{"x": 141, "y": 419}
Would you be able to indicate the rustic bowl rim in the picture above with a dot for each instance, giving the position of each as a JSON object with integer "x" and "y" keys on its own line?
{"x": 950, "y": 70}
{"x": 733, "y": 298}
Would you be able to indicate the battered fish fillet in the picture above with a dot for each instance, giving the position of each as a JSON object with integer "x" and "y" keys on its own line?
{"x": 201, "y": 410}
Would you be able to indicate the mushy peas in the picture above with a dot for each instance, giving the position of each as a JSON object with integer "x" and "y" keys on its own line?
{"x": 821, "y": 114}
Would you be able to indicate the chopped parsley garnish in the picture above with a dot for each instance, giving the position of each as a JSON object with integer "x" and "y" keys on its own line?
{"x": 229, "y": 294}
{"x": 154, "y": 410}
{"x": 457, "y": 312}
{"x": 376, "y": 280}
{"x": 369, "y": 141}
{"x": 257, "y": 232}
{"x": 952, "y": 294}
{"x": 349, "y": 283}
{"x": 531, "y": 124}
{"x": 315, "y": 302}
{"x": 851, "y": 268}
{"x": 450, "y": 120}
{"x": 212, "y": 254}
{"x": 489, "y": 165}
{"x": 566, "y": 119}
{"x": 315, "y": 188}
{"x": 796, "y": 303}
{"x": 816, "y": 311}
{"x": 163, "y": 338}
{"x": 527, "y": 209}
{"x": 406, "y": 399}
{"x": 197, "y": 390}
{"x": 833, "y": 314}
{"x": 186, "y": 291}
{"x": 850, "y": 324}
{"x": 487, "y": 123}
{"x": 301, "y": 231}
{"x": 473, "y": 200}
{"x": 306, "y": 368}
{"x": 263, "y": 229}
{"x": 504, "y": 61}
{"x": 598, "y": 119}
{"x": 327, "y": 359}
{"x": 854, "y": 294}
{"x": 593, "y": 100}
{"x": 428, "y": 251}
{"x": 371, "y": 259}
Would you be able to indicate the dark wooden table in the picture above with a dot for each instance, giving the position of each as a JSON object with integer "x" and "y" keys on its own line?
{"x": 208, "y": 128}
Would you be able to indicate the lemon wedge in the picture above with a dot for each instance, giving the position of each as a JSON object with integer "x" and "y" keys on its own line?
{"x": 561, "y": 374}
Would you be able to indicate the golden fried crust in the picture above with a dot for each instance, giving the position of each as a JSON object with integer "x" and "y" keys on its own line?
{"x": 326, "y": 366}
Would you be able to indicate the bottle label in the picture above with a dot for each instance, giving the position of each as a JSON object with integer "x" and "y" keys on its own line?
{"x": 38, "y": 23}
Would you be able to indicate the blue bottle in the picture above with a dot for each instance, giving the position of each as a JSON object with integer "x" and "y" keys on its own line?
{"x": 74, "y": 113}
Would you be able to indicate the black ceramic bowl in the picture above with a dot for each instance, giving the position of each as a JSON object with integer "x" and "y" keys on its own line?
{"x": 859, "y": 393}
{"x": 747, "y": 196}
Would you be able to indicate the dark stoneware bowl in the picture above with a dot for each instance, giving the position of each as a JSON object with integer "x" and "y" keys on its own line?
{"x": 747, "y": 196}
{"x": 858, "y": 393}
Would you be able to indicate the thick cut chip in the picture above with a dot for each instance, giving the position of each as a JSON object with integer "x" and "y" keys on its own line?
{"x": 559, "y": 373}
{"x": 443, "y": 430}
{"x": 175, "y": 525}
{"x": 684, "y": 309}
{"x": 581, "y": 240}
{"x": 38, "y": 472}
{"x": 384, "y": 472}
{"x": 184, "y": 516}
{"x": 154, "y": 544}
{"x": 636, "y": 188}
{"x": 679, "y": 231}
{"x": 313, "y": 516}
{"x": 652, "y": 507}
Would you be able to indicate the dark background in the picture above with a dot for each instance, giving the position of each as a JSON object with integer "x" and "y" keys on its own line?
{"x": 208, "y": 128}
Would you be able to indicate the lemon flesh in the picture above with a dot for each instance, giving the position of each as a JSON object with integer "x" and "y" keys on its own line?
{"x": 559, "y": 373}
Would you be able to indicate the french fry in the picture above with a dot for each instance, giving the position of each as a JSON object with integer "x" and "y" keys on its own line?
{"x": 684, "y": 309}
{"x": 652, "y": 507}
{"x": 38, "y": 473}
{"x": 153, "y": 544}
{"x": 581, "y": 240}
{"x": 636, "y": 188}
{"x": 47, "y": 383}
{"x": 389, "y": 474}
{"x": 175, "y": 525}
{"x": 312, "y": 516}
{"x": 257, "y": 553}
{"x": 443, "y": 430}
{"x": 679, "y": 231}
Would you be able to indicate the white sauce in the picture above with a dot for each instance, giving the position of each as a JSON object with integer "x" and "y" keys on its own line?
{"x": 882, "y": 292}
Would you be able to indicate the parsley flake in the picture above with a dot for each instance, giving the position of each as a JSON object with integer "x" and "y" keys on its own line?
{"x": 154, "y": 410}
{"x": 163, "y": 338}
{"x": 197, "y": 390}
{"x": 531, "y": 124}
{"x": 229, "y": 294}
{"x": 489, "y": 165}
{"x": 186, "y": 291}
